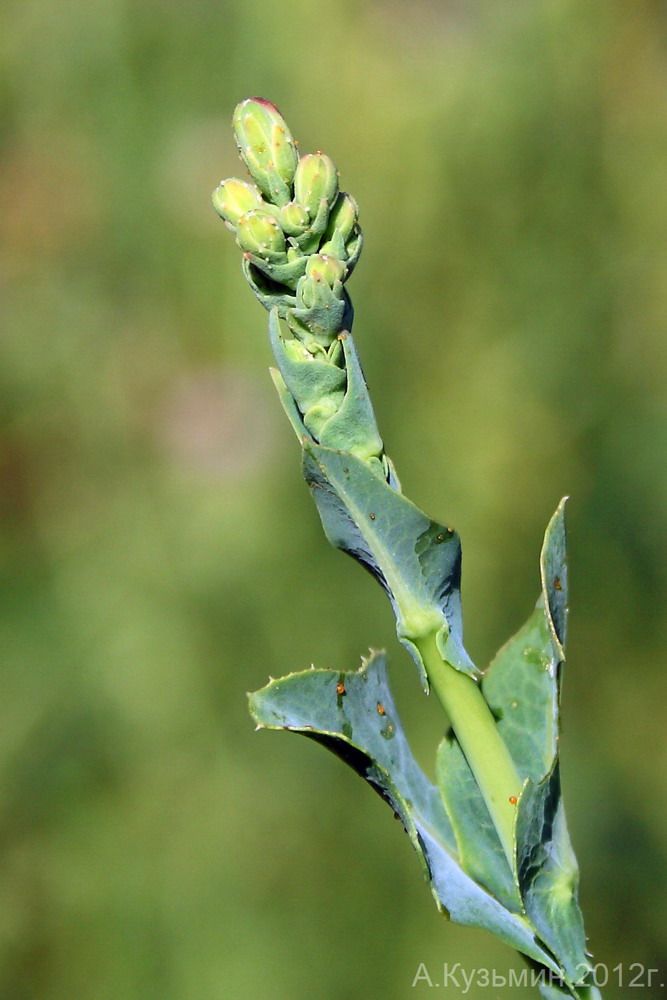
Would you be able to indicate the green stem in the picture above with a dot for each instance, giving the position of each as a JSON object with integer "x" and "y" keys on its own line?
{"x": 477, "y": 733}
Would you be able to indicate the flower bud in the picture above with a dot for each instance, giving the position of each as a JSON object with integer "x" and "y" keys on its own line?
{"x": 335, "y": 247}
{"x": 266, "y": 147}
{"x": 321, "y": 301}
{"x": 259, "y": 233}
{"x": 323, "y": 267}
{"x": 233, "y": 198}
{"x": 316, "y": 179}
{"x": 343, "y": 217}
{"x": 294, "y": 218}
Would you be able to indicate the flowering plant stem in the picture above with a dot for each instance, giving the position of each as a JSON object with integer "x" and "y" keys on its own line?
{"x": 490, "y": 832}
{"x": 483, "y": 747}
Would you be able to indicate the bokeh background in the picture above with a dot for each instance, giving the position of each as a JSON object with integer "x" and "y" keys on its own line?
{"x": 160, "y": 553}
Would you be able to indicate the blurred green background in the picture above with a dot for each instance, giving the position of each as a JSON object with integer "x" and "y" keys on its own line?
{"x": 160, "y": 553}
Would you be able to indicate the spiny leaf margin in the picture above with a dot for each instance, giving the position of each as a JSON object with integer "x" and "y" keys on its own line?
{"x": 362, "y": 727}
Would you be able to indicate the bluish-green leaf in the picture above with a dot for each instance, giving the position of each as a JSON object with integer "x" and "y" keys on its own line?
{"x": 522, "y": 684}
{"x": 553, "y": 571}
{"x": 480, "y": 851}
{"x": 332, "y": 399}
{"x": 548, "y": 874}
{"x": 309, "y": 379}
{"x": 416, "y": 560}
{"x": 290, "y": 407}
{"x": 521, "y": 690}
{"x": 552, "y": 991}
{"x": 353, "y": 426}
{"x": 522, "y": 687}
{"x": 354, "y": 715}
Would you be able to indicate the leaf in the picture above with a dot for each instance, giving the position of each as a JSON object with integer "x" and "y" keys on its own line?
{"x": 553, "y": 571}
{"x": 551, "y": 991}
{"x": 548, "y": 874}
{"x": 353, "y": 427}
{"x": 416, "y": 560}
{"x": 522, "y": 688}
{"x": 316, "y": 383}
{"x": 522, "y": 684}
{"x": 521, "y": 691}
{"x": 290, "y": 407}
{"x": 353, "y": 714}
{"x": 480, "y": 851}
{"x": 307, "y": 378}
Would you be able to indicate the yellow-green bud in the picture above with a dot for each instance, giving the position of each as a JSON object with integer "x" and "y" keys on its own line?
{"x": 233, "y": 198}
{"x": 316, "y": 179}
{"x": 294, "y": 218}
{"x": 324, "y": 267}
{"x": 343, "y": 217}
{"x": 266, "y": 147}
{"x": 259, "y": 233}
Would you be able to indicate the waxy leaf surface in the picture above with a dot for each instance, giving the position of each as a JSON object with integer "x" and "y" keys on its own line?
{"x": 522, "y": 688}
{"x": 480, "y": 852}
{"x": 354, "y": 715}
{"x": 415, "y": 559}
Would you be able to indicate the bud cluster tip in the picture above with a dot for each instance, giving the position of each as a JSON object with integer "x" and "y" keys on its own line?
{"x": 299, "y": 234}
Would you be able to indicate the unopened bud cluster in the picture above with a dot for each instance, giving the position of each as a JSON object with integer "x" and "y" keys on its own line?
{"x": 299, "y": 233}
{"x": 300, "y": 239}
